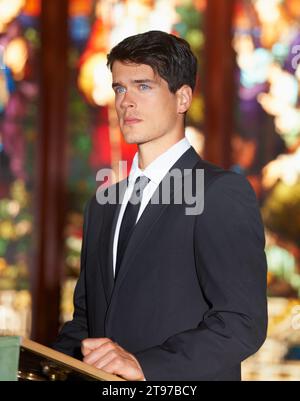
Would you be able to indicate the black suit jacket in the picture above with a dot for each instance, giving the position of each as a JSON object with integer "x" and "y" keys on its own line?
{"x": 190, "y": 298}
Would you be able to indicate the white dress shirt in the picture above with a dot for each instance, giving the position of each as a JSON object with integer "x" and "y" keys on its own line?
{"x": 155, "y": 172}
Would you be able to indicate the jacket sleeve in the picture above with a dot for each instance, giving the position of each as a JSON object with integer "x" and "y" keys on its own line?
{"x": 231, "y": 267}
{"x": 74, "y": 331}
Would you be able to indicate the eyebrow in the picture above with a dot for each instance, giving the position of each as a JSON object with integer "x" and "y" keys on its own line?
{"x": 136, "y": 81}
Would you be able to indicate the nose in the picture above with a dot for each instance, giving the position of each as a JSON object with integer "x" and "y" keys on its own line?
{"x": 127, "y": 101}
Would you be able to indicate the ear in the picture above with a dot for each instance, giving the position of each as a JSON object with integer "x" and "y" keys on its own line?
{"x": 184, "y": 98}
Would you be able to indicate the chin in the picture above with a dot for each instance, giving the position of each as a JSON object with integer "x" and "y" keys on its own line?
{"x": 131, "y": 139}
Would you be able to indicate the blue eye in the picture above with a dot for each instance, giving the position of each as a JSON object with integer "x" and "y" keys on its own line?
{"x": 144, "y": 86}
{"x": 119, "y": 89}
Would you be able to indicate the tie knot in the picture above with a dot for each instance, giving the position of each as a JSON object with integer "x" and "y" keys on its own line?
{"x": 141, "y": 182}
{"x": 139, "y": 185}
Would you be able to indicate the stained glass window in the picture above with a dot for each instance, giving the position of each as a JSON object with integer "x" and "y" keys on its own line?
{"x": 266, "y": 149}
{"x": 19, "y": 44}
{"x": 267, "y": 43}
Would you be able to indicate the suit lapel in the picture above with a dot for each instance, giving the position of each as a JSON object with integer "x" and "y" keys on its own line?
{"x": 107, "y": 236}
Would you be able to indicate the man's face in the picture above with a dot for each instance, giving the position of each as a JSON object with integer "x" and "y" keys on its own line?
{"x": 146, "y": 108}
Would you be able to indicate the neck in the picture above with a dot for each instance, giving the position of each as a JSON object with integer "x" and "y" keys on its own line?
{"x": 147, "y": 152}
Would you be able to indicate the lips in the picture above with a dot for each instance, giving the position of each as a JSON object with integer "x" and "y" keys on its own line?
{"x": 131, "y": 120}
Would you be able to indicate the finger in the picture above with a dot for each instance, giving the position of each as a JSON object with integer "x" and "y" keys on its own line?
{"x": 123, "y": 368}
{"x": 113, "y": 367}
{"x": 106, "y": 359}
{"x": 99, "y": 353}
{"x": 85, "y": 350}
{"x": 89, "y": 344}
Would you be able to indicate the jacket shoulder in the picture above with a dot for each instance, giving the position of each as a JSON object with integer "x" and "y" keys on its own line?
{"x": 217, "y": 177}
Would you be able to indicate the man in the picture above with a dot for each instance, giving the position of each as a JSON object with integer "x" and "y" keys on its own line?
{"x": 165, "y": 293}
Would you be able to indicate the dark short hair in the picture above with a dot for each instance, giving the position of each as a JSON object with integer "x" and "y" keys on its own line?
{"x": 169, "y": 56}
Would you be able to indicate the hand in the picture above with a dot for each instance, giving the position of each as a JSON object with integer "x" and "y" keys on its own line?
{"x": 107, "y": 355}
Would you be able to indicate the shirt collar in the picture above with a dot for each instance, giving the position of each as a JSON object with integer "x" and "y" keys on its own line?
{"x": 159, "y": 167}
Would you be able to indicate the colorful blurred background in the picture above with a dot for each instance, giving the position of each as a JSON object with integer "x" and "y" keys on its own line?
{"x": 58, "y": 128}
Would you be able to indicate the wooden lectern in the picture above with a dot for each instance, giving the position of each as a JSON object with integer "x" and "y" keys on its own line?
{"x": 40, "y": 363}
